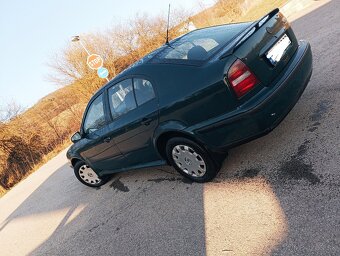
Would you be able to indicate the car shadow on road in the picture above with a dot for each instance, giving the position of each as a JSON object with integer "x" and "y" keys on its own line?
{"x": 143, "y": 212}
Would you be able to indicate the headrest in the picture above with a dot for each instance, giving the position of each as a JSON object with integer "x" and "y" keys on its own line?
{"x": 197, "y": 53}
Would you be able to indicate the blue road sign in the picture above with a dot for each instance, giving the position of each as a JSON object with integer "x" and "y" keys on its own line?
{"x": 102, "y": 72}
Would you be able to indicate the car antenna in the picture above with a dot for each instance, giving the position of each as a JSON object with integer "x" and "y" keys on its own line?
{"x": 167, "y": 28}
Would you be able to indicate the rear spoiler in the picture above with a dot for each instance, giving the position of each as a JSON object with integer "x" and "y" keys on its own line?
{"x": 240, "y": 38}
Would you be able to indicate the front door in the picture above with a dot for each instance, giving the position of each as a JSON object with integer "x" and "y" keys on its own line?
{"x": 96, "y": 146}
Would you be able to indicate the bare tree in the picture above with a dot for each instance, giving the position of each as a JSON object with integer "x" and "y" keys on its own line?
{"x": 10, "y": 111}
{"x": 119, "y": 46}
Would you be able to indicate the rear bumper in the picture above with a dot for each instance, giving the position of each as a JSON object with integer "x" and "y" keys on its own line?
{"x": 263, "y": 112}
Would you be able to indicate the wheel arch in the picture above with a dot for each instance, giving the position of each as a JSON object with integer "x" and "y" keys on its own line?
{"x": 163, "y": 138}
{"x": 74, "y": 161}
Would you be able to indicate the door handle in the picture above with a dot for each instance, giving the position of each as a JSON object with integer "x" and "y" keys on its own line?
{"x": 146, "y": 121}
{"x": 107, "y": 139}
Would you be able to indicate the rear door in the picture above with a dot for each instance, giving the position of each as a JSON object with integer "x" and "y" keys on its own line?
{"x": 134, "y": 109}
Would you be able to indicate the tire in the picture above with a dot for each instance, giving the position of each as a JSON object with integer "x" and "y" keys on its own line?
{"x": 191, "y": 160}
{"x": 87, "y": 176}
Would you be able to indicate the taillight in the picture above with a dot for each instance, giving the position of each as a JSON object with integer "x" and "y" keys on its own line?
{"x": 241, "y": 79}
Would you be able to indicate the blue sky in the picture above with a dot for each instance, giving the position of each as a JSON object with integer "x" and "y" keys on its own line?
{"x": 32, "y": 31}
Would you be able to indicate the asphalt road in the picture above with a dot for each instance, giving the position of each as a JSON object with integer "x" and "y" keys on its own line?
{"x": 277, "y": 195}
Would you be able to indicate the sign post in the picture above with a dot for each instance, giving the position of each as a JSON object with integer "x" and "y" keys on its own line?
{"x": 103, "y": 73}
{"x": 94, "y": 61}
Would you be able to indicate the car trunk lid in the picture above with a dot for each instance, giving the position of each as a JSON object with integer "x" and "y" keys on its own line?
{"x": 267, "y": 47}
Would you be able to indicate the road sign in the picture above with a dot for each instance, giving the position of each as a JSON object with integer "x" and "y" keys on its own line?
{"x": 102, "y": 72}
{"x": 94, "y": 61}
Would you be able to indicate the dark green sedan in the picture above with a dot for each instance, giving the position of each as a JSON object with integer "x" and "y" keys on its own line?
{"x": 192, "y": 99}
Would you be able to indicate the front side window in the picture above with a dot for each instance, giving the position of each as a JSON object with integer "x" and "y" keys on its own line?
{"x": 95, "y": 117}
{"x": 143, "y": 90}
{"x": 121, "y": 98}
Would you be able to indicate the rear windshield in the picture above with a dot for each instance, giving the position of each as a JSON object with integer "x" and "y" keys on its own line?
{"x": 197, "y": 46}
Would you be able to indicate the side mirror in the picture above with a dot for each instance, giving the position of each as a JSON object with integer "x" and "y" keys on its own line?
{"x": 76, "y": 137}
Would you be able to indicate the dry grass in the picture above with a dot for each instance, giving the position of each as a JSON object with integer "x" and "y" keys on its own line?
{"x": 262, "y": 9}
{"x": 44, "y": 160}
{"x": 233, "y": 11}
{"x": 34, "y": 137}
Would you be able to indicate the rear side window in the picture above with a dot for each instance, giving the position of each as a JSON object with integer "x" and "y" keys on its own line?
{"x": 143, "y": 90}
{"x": 121, "y": 98}
{"x": 95, "y": 117}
